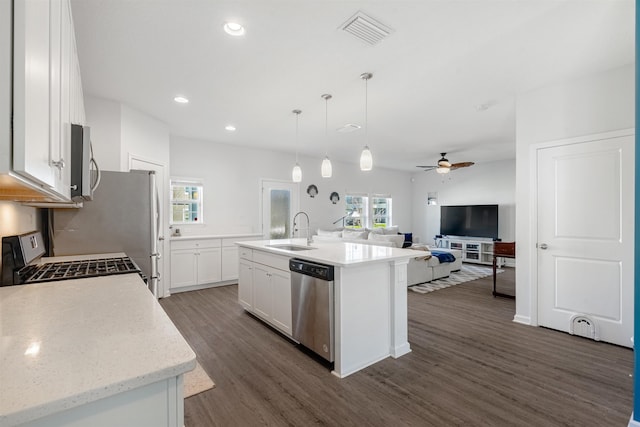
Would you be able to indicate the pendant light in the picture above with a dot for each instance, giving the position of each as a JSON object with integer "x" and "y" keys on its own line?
{"x": 296, "y": 173}
{"x": 366, "y": 160}
{"x": 326, "y": 169}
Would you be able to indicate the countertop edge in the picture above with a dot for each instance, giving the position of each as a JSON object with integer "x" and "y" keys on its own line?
{"x": 308, "y": 255}
{"x": 214, "y": 236}
{"x": 92, "y": 395}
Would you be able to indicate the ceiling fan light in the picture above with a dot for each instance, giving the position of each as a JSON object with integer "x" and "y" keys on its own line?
{"x": 326, "y": 170}
{"x": 442, "y": 169}
{"x": 366, "y": 160}
{"x": 296, "y": 173}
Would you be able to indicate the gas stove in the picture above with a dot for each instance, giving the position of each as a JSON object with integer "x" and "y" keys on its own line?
{"x": 19, "y": 266}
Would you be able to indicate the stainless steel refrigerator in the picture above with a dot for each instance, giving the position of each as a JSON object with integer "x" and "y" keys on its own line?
{"x": 122, "y": 217}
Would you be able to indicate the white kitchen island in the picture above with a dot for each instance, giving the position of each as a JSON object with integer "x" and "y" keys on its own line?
{"x": 90, "y": 352}
{"x": 370, "y": 295}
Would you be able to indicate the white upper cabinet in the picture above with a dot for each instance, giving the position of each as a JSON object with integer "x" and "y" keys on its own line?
{"x": 47, "y": 93}
{"x": 31, "y": 90}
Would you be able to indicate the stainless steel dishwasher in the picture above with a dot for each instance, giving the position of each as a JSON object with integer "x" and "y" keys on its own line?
{"x": 312, "y": 306}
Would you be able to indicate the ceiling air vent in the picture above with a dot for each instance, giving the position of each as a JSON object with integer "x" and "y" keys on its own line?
{"x": 366, "y": 28}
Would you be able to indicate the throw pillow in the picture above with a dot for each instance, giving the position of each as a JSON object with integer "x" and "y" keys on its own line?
{"x": 390, "y": 230}
{"x": 331, "y": 233}
{"x": 395, "y": 239}
{"x": 408, "y": 240}
{"x": 354, "y": 234}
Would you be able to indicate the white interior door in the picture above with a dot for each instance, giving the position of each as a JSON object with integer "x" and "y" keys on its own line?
{"x": 280, "y": 202}
{"x": 585, "y": 223}
{"x": 143, "y": 164}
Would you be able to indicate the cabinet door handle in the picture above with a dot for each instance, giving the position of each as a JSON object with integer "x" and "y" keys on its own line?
{"x": 59, "y": 164}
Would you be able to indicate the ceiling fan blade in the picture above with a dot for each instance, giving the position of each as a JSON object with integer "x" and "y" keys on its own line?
{"x": 461, "y": 165}
{"x": 428, "y": 167}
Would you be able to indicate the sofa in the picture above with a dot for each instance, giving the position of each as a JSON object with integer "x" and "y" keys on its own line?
{"x": 425, "y": 267}
{"x": 428, "y": 266}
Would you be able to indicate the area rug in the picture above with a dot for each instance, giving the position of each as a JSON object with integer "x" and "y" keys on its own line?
{"x": 467, "y": 273}
{"x": 197, "y": 381}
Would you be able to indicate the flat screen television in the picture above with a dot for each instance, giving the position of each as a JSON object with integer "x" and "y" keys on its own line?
{"x": 469, "y": 221}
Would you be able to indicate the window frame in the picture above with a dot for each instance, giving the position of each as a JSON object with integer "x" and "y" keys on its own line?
{"x": 199, "y": 201}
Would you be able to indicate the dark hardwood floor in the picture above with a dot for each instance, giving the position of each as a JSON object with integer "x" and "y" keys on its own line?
{"x": 470, "y": 365}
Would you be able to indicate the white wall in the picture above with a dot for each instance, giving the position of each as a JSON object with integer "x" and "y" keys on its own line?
{"x": 104, "y": 118}
{"x": 232, "y": 175}
{"x": 481, "y": 184}
{"x": 143, "y": 136}
{"x": 593, "y": 104}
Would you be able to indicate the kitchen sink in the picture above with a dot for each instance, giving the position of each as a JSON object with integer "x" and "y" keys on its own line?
{"x": 289, "y": 247}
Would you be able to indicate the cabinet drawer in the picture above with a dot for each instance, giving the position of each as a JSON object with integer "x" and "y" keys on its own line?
{"x": 276, "y": 261}
{"x": 195, "y": 244}
{"x": 246, "y": 253}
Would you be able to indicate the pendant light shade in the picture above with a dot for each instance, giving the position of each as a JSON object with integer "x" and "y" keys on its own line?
{"x": 326, "y": 170}
{"x": 296, "y": 173}
{"x": 366, "y": 159}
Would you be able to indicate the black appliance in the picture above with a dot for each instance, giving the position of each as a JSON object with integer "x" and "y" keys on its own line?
{"x": 469, "y": 220}
{"x": 19, "y": 253}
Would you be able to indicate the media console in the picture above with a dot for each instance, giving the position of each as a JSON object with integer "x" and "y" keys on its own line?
{"x": 479, "y": 251}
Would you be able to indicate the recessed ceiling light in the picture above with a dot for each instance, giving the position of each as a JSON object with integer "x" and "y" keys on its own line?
{"x": 349, "y": 127}
{"x": 230, "y": 128}
{"x": 234, "y": 29}
{"x": 181, "y": 100}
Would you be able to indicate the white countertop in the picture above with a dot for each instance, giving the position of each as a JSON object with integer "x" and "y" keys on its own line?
{"x": 215, "y": 236}
{"x": 339, "y": 254}
{"x": 71, "y": 342}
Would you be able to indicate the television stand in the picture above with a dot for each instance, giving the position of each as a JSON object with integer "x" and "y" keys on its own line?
{"x": 477, "y": 250}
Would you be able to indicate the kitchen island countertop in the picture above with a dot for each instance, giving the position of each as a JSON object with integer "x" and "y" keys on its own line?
{"x": 68, "y": 343}
{"x": 340, "y": 254}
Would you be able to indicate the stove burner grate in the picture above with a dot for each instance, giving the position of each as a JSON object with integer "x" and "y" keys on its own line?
{"x": 82, "y": 269}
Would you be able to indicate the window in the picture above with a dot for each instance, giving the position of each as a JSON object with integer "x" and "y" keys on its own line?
{"x": 186, "y": 201}
{"x": 380, "y": 211}
{"x": 357, "y": 211}
{"x": 370, "y": 211}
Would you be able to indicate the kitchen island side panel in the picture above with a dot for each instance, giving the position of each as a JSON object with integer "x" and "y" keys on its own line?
{"x": 363, "y": 317}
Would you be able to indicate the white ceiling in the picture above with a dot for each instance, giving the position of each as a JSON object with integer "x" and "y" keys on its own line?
{"x": 442, "y": 61}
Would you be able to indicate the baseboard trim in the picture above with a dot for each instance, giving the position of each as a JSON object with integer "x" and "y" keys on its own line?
{"x": 633, "y": 423}
{"x": 524, "y": 320}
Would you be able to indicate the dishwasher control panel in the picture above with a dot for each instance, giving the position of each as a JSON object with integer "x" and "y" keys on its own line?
{"x": 310, "y": 268}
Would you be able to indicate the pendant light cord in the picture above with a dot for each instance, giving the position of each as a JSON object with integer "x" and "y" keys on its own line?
{"x": 366, "y": 111}
{"x": 297, "y": 113}
{"x": 326, "y": 126}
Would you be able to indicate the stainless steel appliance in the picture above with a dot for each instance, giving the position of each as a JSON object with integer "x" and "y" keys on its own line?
{"x": 20, "y": 252}
{"x": 84, "y": 181}
{"x": 122, "y": 217}
{"x": 312, "y": 305}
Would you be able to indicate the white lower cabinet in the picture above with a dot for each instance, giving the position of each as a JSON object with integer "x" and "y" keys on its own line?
{"x": 209, "y": 265}
{"x": 195, "y": 262}
{"x": 203, "y": 262}
{"x": 183, "y": 268}
{"x": 230, "y": 262}
{"x": 265, "y": 290}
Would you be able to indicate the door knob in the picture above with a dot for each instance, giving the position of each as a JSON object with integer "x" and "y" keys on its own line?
{"x": 543, "y": 246}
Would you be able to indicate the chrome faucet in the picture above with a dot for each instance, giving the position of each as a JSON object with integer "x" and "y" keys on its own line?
{"x": 308, "y": 227}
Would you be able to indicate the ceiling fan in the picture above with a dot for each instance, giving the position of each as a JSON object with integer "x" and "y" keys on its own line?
{"x": 444, "y": 166}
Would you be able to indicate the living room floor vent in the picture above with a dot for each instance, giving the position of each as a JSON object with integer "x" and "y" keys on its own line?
{"x": 583, "y": 327}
